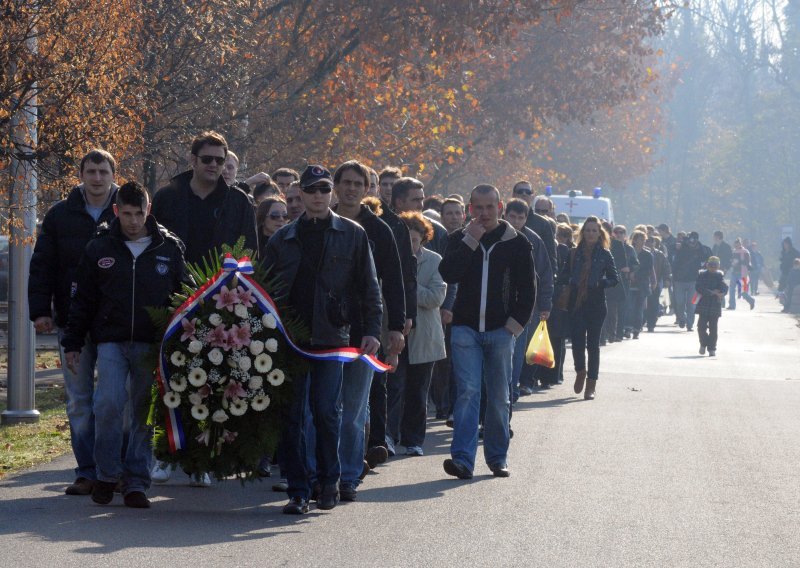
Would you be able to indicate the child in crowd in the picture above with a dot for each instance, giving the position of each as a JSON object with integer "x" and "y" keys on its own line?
{"x": 711, "y": 289}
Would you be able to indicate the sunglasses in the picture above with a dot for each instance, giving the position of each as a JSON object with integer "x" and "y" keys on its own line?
{"x": 317, "y": 189}
{"x": 541, "y": 211}
{"x": 276, "y": 216}
{"x": 208, "y": 159}
{"x": 524, "y": 190}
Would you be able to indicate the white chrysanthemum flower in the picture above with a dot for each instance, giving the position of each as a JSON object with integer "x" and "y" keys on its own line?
{"x": 178, "y": 383}
{"x": 263, "y": 363}
{"x": 199, "y": 411}
{"x": 172, "y": 400}
{"x": 256, "y": 347}
{"x": 276, "y": 377}
{"x": 260, "y": 402}
{"x": 215, "y": 319}
{"x": 255, "y": 383}
{"x": 241, "y": 311}
{"x": 215, "y": 356}
{"x": 245, "y": 363}
{"x": 195, "y": 347}
{"x": 177, "y": 358}
{"x": 271, "y": 345}
{"x": 238, "y": 407}
{"x": 269, "y": 321}
{"x": 197, "y": 377}
{"x": 195, "y": 399}
{"x": 219, "y": 416}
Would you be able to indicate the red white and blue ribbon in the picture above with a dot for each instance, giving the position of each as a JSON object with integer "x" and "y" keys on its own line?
{"x": 243, "y": 270}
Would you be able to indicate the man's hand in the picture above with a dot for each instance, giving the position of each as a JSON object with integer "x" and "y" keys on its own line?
{"x": 475, "y": 230}
{"x": 260, "y": 177}
{"x": 407, "y": 327}
{"x": 369, "y": 345}
{"x": 73, "y": 359}
{"x": 391, "y": 360}
{"x": 544, "y": 315}
{"x": 625, "y": 269}
{"x": 397, "y": 342}
{"x": 447, "y": 316}
{"x": 43, "y": 324}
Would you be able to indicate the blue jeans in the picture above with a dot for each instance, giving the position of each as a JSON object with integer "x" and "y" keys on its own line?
{"x": 684, "y": 308}
{"x": 115, "y": 363}
{"x": 79, "y": 388}
{"x": 473, "y": 352}
{"x": 319, "y": 391}
{"x": 733, "y": 289}
{"x": 356, "y": 383}
{"x": 518, "y": 361}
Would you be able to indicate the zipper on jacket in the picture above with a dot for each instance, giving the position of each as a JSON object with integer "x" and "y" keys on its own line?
{"x": 133, "y": 297}
{"x": 484, "y": 286}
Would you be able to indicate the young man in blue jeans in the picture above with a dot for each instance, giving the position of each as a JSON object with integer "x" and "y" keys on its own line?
{"x": 132, "y": 264}
{"x": 493, "y": 267}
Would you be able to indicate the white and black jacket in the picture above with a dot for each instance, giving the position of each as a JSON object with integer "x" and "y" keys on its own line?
{"x": 495, "y": 277}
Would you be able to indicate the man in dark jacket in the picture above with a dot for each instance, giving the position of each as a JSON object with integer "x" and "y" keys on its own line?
{"x": 689, "y": 259}
{"x": 67, "y": 227}
{"x": 627, "y": 262}
{"x": 407, "y": 195}
{"x": 493, "y": 267}
{"x": 201, "y": 208}
{"x": 325, "y": 264}
{"x": 537, "y": 223}
{"x": 351, "y": 182}
{"x": 133, "y": 264}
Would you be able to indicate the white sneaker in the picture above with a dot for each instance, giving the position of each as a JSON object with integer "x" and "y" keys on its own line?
{"x": 161, "y": 472}
{"x": 414, "y": 451}
{"x": 200, "y": 480}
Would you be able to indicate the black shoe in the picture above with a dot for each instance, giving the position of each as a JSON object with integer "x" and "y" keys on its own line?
{"x": 450, "y": 422}
{"x": 103, "y": 492}
{"x": 365, "y": 469}
{"x": 329, "y": 497}
{"x": 263, "y": 469}
{"x": 281, "y": 486}
{"x": 626, "y": 334}
{"x": 689, "y": 328}
{"x": 81, "y": 486}
{"x": 455, "y": 469}
{"x": 296, "y": 506}
{"x": 651, "y": 329}
{"x": 348, "y": 492}
{"x": 137, "y": 500}
{"x": 316, "y": 491}
{"x": 376, "y": 455}
{"x": 603, "y": 343}
{"x": 636, "y": 335}
{"x": 500, "y": 470}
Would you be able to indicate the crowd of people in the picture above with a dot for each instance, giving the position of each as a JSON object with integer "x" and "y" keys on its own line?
{"x": 447, "y": 290}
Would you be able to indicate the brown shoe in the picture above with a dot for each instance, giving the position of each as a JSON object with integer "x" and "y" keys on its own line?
{"x": 81, "y": 486}
{"x": 580, "y": 377}
{"x": 591, "y": 384}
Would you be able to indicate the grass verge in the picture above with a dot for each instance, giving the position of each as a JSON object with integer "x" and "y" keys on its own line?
{"x": 25, "y": 445}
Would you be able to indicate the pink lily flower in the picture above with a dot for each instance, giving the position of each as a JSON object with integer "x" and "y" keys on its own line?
{"x": 234, "y": 390}
{"x": 245, "y": 297}
{"x": 204, "y": 438}
{"x": 226, "y": 298}
{"x": 229, "y": 436}
{"x": 204, "y": 391}
{"x": 189, "y": 329}
{"x": 239, "y": 336}
{"x": 218, "y": 337}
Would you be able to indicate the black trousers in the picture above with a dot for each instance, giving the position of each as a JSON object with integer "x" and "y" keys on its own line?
{"x": 585, "y": 325}
{"x": 376, "y": 425}
{"x": 551, "y": 376}
{"x": 440, "y": 382}
{"x": 653, "y": 308}
{"x": 707, "y": 331}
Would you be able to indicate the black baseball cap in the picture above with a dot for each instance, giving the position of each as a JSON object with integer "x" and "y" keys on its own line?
{"x": 314, "y": 174}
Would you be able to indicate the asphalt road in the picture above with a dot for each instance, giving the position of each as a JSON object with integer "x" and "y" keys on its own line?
{"x": 682, "y": 460}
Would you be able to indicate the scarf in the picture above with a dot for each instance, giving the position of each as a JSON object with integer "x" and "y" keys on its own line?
{"x": 583, "y": 277}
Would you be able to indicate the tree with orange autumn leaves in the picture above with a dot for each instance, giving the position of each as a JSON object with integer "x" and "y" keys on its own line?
{"x": 456, "y": 92}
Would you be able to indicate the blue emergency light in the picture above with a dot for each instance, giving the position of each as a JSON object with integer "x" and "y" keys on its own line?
{"x": 597, "y": 191}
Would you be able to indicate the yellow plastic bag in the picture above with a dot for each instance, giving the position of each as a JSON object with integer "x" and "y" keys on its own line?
{"x": 540, "y": 351}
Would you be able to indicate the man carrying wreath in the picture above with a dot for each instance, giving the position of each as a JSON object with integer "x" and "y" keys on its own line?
{"x": 325, "y": 264}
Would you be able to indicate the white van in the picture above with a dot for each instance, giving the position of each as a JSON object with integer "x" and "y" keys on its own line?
{"x": 579, "y": 206}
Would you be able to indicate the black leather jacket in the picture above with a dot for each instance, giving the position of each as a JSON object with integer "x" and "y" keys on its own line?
{"x": 346, "y": 277}
{"x": 114, "y": 288}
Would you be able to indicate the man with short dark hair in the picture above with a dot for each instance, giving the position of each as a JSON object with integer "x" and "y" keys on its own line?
{"x": 200, "y": 208}
{"x": 453, "y": 214}
{"x": 493, "y": 267}
{"x": 408, "y": 194}
{"x": 537, "y": 223}
{"x": 294, "y": 203}
{"x": 326, "y": 267}
{"x": 67, "y": 228}
{"x": 386, "y": 180}
{"x": 351, "y": 181}
{"x": 723, "y": 251}
{"x": 284, "y": 177}
{"x": 132, "y": 265}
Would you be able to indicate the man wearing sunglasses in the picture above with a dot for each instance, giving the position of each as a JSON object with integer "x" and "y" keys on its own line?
{"x": 200, "y": 207}
{"x": 537, "y": 223}
{"x": 325, "y": 265}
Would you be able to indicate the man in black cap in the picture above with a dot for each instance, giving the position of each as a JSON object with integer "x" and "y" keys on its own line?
{"x": 325, "y": 265}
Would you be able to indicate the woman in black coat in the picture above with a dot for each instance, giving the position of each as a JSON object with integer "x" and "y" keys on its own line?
{"x": 788, "y": 254}
{"x": 588, "y": 272}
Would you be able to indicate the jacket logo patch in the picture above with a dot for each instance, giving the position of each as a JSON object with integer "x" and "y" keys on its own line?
{"x": 162, "y": 268}
{"x": 106, "y": 262}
